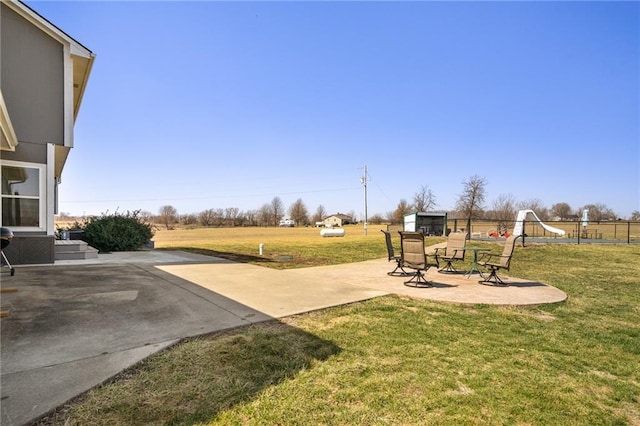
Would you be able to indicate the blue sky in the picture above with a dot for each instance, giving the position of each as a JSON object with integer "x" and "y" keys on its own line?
{"x": 228, "y": 104}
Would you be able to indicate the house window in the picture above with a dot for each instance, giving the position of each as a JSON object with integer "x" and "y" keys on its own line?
{"x": 23, "y": 202}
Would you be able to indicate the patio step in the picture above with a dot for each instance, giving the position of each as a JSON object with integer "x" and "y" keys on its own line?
{"x": 74, "y": 250}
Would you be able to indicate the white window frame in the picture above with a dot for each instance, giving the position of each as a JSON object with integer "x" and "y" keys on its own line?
{"x": 42, "y": 195}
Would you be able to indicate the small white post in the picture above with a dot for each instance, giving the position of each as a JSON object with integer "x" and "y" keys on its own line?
{"x": 261, "y": 247}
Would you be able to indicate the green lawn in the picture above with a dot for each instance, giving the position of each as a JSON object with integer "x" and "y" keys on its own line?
{"x": 401, "y": 361}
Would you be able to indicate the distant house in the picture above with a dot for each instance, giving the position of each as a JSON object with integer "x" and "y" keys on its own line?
{"x": 338, "y": 219}
{"x": 44, "y": 73}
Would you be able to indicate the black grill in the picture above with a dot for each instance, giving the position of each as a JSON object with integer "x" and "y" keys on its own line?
{"x": 5, "y": 238}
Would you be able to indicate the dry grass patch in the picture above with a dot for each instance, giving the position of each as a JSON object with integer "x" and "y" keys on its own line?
{"x": 283, "y": 247}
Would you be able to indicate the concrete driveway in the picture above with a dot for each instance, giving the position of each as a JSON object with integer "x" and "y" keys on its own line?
{"x": 76, "y": 324}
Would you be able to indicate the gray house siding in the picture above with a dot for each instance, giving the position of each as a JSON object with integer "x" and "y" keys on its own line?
{"x": 31, "y": 152}
{"x": 43, "y": 74}
{"x": 31, "y": 79}
{"x": 32, "y": 82}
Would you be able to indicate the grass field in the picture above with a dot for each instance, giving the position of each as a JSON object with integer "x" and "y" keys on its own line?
{"x": 283, "y": 247}
{"x": 394, "y": 360}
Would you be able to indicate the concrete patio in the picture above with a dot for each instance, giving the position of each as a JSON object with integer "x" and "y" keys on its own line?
{"x": 75, "y": 324}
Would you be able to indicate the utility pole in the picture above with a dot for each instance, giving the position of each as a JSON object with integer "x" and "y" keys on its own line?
{"x": 363, "y": 180}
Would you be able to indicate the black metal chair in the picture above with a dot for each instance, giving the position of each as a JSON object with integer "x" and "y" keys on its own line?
{"x": 5, "y": 239}
{"x": 398, "y": 271}
{"x": 414, "y": 257}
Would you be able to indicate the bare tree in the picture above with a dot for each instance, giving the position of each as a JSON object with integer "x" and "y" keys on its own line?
{"x": 265, "y": 215}
{"x": 376, "y": 219}
{"x": 251, "y": 216}
{"x": 504, "y": 211}
{"x": 298, "y": 213}
{"x": 219, "y": 217}
{"x": 503, "y": 208}
{"x": 319, "y": 215}
{"x": 207, "y": 217}
{"x": 168, "y": 216}
{"x": 537, "y": 206}
{"x": 598, "y": 212}
{"x": 635, "y": 215}
{"x": 402, "y": 209}
{"x": 277, "y": 210}
{"x": 146, "y": 215}
{"x": 470, "y": 202}
{"x": 389, "y": 217}
{"x": 189, "y": 219}
{"x": 561, "y": 210}
{"x": 241, "y": 218}
{"x": 231, "y": 215}
{"x": 424, "y": 200}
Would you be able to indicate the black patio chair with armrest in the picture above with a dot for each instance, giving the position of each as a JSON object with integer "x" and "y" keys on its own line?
{"x": 495, "y": 262}
{"x": 414, "y": 257}
{"x": 391, "y": 254}
{"x": 453, "y": 252}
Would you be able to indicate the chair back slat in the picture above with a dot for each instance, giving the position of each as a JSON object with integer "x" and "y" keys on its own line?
{"x": 390, "y": 251}
{"x": 455, "y": 243}
{"x": 413, "y": 253}
{"x": 507, "y": 251}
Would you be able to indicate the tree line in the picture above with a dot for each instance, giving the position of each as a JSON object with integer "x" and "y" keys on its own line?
{"x": 470, "y": 205}
{"x": 270, "y": 214}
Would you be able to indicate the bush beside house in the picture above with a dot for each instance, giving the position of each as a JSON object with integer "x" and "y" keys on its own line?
{"x": 117, "y": 232}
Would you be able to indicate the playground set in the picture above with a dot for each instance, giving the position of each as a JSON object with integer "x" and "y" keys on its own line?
{"x": 530, "y": 216}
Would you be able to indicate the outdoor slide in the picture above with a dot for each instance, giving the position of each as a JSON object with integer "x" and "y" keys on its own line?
{"x": 522, "y": 216}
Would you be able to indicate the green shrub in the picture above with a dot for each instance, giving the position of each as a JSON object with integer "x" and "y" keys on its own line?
{"x": 117, "y": 231}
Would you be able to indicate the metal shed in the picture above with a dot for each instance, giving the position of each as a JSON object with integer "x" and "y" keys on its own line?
{"x": 429, "y": 223}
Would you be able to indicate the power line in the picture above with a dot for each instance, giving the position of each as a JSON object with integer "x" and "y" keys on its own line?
{"x": 315, "y": 191}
